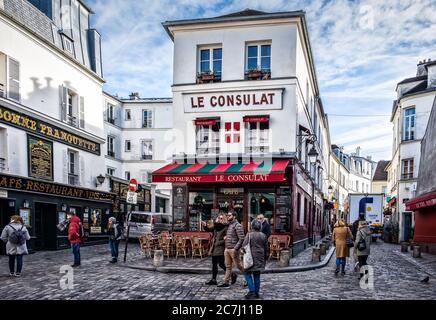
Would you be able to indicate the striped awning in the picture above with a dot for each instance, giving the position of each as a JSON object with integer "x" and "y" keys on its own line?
{"x": 255, "y": 171}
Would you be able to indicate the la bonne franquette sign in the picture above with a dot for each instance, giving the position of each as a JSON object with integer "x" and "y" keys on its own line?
{"x": 233, "y": 100}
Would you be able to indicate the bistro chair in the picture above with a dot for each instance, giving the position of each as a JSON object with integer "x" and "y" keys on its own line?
{"x": 197, "y": 248}
{"x": 165, "y": 245}
{"x": 146, "y": 246}
{"x": 181, "y": 247}
{"x": 274, "y": 248}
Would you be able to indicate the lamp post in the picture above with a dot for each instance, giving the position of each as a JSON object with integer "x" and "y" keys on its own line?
{"x": 313, "y": 156}
{"x": 100, "y": 179}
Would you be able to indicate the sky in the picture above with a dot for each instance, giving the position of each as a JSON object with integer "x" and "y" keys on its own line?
{"x": 361, "y": 49}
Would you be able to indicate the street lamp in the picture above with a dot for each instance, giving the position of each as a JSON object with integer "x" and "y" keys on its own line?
{"x": 100, "y": 179}
{"x": 313, "y": 156}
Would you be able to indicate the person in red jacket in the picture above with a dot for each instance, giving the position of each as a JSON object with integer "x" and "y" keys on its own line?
{"x": 74, "y": 237}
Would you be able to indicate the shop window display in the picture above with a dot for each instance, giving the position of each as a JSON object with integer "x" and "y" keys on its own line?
{"x": 261, "y": 203}
{"x": 200, "y": 209}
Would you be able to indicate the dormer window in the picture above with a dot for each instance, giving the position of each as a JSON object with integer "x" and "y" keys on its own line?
{"x": 68, "y": 44}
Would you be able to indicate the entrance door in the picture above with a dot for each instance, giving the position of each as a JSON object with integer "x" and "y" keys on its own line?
{"x": 407, "y": 225}
{"x": 45, "y": 226}
{"x": 5, "y": 214}
{"x": 232, "y": 202}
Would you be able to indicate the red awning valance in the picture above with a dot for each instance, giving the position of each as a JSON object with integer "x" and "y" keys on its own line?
{"x": 392, "y": 201}
{"x": 206, "y": 122}
{"x": 424, "y": 201}
{"x": 264, "y": 118}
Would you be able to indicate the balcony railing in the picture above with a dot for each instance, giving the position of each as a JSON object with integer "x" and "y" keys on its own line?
{"x": 2, "y": 90}
{"x": 111, "y": 153}
{"x": 111, "y": 120}
{"x": 406, "y": 176}
{"x": 2, "y": 164}
{"x": 73, "y": 179}
{"x": 147, "y": 157}
{"x": 72, "y": 121}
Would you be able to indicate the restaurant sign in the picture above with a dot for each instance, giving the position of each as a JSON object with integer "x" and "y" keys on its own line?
{"x": 32, "y": 185}
{"x": 233, "y": 100}
{"x": 40, "y": 156}
{"x": 277, "y": 177}
{"x": 46, "y": 130}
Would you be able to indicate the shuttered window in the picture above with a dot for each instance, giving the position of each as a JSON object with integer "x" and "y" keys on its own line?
{"x": 82, "y": 112}
{"x": 14, "y": 79}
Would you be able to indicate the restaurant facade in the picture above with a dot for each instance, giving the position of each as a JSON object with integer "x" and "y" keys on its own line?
{"x": 246, "y": 114}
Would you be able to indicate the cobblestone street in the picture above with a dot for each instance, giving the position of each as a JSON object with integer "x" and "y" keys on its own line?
{"x": 394, "y": 278}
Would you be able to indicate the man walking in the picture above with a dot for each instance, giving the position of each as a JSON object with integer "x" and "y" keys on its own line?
{"x": 233, "y": 242}
{"x": 266, "y": 228}
{"x": 355, "y": 226}
{"x": 74, "y": 228}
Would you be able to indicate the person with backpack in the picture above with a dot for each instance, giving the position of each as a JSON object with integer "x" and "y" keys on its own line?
{"x": 257, "y": 242}
{"x": 362, "y": 245}
{"x": 115, "y": 231}
{"x": 15, "y": 236}
{"x": 75, "y": 234}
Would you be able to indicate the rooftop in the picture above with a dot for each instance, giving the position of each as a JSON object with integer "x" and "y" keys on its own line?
{"x": 380, "y": 174}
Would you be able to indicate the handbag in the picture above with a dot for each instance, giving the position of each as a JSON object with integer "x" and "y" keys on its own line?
{"x": 248, "y": 257}
{"x": 362, "y": 244}
{"x": 349, "y": 241}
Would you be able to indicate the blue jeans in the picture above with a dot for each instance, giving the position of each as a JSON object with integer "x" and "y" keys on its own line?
{"x": 19, "y": 258}
{"x": 340, "y": 261}
{"x": 76, "y": 252}
{"x": 253, "y": 281}
{"x": 113, "y": 245}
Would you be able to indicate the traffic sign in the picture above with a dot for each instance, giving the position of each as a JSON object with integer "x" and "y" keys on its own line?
{"x": 133, "y": 184}
{"x": 132, "y": 197}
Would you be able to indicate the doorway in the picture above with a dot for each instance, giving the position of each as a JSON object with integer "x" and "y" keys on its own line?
{"x": 45, "y": 226}
{"x": 7, "y": 209}
{"x": 407, "y": 225}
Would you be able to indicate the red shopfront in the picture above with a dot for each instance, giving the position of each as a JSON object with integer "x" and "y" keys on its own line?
{"x": 201, "y": 191}
{"x": 425, "y": 221}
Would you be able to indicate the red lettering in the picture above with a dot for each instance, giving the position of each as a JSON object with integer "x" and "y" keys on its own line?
{"x": 246, "y": 99}
{"x": 213, "y": 101}
{"x": 193, "y": 105}
{"x": 221, "y": 101}
{"x": 201, "y": 102}
{"x": 264, "y": 99}
{"x": 254, "y": 99}
{"x": 238, "y": 100}
{"x": 271, "y": 95}
{"x": 230, "y": 100}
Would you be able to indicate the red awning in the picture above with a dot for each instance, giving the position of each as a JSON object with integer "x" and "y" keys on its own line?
{"x": 206, "y": 122}
{"x": 424, "y": 201}
{"x": 259, "y": 171}
{"x": 392, "y": 201}
{"x": 264, "y": 118}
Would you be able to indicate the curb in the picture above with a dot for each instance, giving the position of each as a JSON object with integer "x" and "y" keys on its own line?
{"x": 412, "y": 261}
{"x": 183, "y": 270}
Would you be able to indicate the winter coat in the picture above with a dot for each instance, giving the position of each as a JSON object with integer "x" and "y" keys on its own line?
{"x": 74, "y": 230}
{"x": 235, "y": 236}
{"x": 266, "y": 229}
{"x": 340, "y": 239}
{"x": 259, "y": 248}
{"x": 218, "y": 242}
{"x": 363, "y": 233}
{"x": 115, "y": 232}
{"x": 355, "y": 227}
{"x": 11, "y": 248}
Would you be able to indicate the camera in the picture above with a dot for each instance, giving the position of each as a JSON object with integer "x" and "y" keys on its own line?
{"x": 63, "y": 225}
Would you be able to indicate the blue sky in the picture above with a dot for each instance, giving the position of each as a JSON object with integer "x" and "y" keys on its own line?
{"x": 361, "y": 50}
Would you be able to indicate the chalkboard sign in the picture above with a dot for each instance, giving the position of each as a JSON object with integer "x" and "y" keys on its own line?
{"x": 179, "y": 208}
{"x": 179, "y": 196}
{"x": 283, "y": 210}
{"x": 282, "y": 224}
{"x": 179, "y": 219}
{"x": 40, "y": 158}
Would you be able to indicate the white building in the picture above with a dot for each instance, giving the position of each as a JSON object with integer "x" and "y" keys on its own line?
{"x": 245, "y": 88}
{"x": 139, "y": 140}
{"x": 51, "y": 129}
{"x": 410, "y": 114}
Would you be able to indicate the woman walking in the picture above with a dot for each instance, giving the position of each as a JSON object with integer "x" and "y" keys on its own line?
{"x": 115, "y": 233}
{"x": 259, "y": 248}
{"x": 362, "y": 245}
{"x": 217, "y": 247}
{"x": 340, "y": 234}
{"x": 15, "y": 236}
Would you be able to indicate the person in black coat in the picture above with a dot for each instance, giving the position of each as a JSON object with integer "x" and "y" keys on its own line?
{"x": 355, "y": 226}
{"x": 266, "y": 228}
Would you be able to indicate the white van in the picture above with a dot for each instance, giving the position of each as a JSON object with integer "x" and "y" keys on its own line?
{"x": 146, "y": 222}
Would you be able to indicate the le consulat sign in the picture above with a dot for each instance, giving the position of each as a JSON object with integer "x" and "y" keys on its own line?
{"x": 46, "y": 130}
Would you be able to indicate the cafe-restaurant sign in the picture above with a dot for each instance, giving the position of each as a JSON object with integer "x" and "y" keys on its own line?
{"x": 208, "y": 178}
{"x": 233, "y": 100}
{"x": 40, "y": 158}
{"x": 32, "y": 185}
{"x": 46, "y": 130}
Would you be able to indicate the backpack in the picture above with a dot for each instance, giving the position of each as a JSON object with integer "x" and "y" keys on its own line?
{"x": 81, "y": 231}
{"x": 18, "y": 237}
{"x": 362, "y": 244}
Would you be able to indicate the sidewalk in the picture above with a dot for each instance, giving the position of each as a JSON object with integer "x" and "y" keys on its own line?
{"x": 302, "y": 262}
{"x": 426, "y": 264}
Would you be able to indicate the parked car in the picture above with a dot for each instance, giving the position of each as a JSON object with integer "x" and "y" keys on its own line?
{"x": 146, "y": 222}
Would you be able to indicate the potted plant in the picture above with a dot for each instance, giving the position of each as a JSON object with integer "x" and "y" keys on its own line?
{"x": 206, "y": 76}
{"x": 254, "y": 73}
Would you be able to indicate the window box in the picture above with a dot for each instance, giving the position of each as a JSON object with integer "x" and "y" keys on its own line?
{"x": 256, "y": 74}
{"x": 147, "y": 157}
{"x": 205, "y": 77}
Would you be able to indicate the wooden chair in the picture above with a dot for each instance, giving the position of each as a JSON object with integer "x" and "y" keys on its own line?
{"x": 165, "y": 244}
{"x": 146, "y": 246}
{"x": 274, "y": 248}
{"x": 197, "y": 248}
{"x": 180, "y": 246}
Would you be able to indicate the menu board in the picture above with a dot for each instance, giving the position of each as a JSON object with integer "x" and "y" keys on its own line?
{"x": 179, "y": 219}
{"x": 282, "y": 224}
{"x": 179, "y": 207}
{"x": 40, "y": 158}
{"x": 283, "y": 210}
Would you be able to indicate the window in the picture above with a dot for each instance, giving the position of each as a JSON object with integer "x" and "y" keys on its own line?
{"x": 256, "y": 137}
{"x": 208, "y": 139}
{"x": 110, "y": 146}
{"x": 211, "y": 61}
{"x": 407, "y": 169}
{"x": 384, "y": 190}
{"x": 110, "y": 113}
{"x": 259, "y": 57}
{"x": 128, "y": 115}
{"x": 357, "y": 186}
{"x": 147, "y": 149}
{"x": 68, "y": 44}
{"x": 298, "y": 207}
{"x": 232, "y": 130}
{"x": 73, "y": 177}
{"x": 127, "y": 146}
{"x": 149, "y": 176}
{"x": 306, "y": 208}
{"x": 147, "y": 118}
{"x": 127, "y": 175}
{"x": 72, "y": 108}
{"x": 13, "y": 79}
{"x": 409, "y": 124}
{"x": 110, "y": 171}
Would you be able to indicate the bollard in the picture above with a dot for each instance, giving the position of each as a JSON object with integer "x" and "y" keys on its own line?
{"x": 327, "y": 244}
{"x": 158, "y": 258}
{"x": 416, "y": 253}
{"x": 404, "y": 247}
{"x": 316, "y": 255}
{"x": 285, "y": 256}
{"x": 322, "y": 249}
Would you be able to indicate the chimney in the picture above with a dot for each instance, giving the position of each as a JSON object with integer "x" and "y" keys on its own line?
{"x": 134, "y": 96}
{"x": 358, "y": 151}
{"x": 431, "y": 71}
{"x": 421, "y": 68}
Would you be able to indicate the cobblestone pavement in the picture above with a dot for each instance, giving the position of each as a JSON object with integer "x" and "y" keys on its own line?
{"x": 394, "y": 278}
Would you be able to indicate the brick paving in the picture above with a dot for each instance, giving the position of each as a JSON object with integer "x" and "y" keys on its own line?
{"x": 395, "y": 277}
